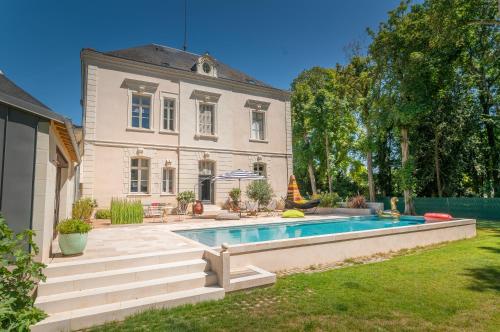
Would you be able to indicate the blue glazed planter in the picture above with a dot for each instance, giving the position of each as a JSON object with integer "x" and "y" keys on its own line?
{"x": 72, "y": 244}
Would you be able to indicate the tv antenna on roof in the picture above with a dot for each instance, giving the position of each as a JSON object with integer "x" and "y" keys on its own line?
{"x": 184, "y": 47}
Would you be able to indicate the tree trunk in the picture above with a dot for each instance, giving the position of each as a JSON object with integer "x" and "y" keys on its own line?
{"x": 437, "y": 167}
{"x": 371, "y": 184}
{"x": 369, "y": 166}
{"x": 312, "y": 178}
{"x": 327, "y": 152}
{"x": 493, "y": 161}
{"x": 409, "y": 208}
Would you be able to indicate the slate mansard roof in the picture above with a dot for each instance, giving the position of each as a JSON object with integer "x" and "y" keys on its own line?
{"x": 169, "y": 57}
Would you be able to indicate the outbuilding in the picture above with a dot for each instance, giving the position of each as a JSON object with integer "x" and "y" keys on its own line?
{"x": 39, "y": 158}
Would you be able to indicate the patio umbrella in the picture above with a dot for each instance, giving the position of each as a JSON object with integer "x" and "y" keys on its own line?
{"x": 239, "y": 175}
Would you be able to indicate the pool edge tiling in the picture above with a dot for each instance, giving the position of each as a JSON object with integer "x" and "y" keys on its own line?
{"x": 242, "y": 234}
{"x": 277, "y": 255}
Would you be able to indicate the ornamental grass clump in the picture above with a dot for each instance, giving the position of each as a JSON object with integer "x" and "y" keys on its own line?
{"x": 357, "y": 202}
{"x": 19, "y": 275}
{"x": 125, "y": 211}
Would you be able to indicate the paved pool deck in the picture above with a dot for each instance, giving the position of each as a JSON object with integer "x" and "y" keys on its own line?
{"x": 119, "y": 240}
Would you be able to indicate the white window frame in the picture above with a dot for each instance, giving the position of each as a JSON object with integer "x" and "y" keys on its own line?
{"x": 170, "y": 96}
{"x": 139, "y": 174}
{"x": 129, "y": 111}
{"x": 168, "y": 169}
{"x": 199, "y": 134}
{"x": 264, "y": 127}
{"x": 263, "y": 164}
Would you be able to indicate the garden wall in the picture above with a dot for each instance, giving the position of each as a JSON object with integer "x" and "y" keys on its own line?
{"x": 460, "y": 207}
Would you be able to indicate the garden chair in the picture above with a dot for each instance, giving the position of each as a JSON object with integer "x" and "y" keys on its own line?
{"x": 155, "y": 210}
{"x": 251, "y": 208}
{"x": 271, "y": 209}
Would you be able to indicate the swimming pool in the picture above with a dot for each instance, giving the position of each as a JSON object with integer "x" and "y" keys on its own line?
{"x": 279, "y": 231}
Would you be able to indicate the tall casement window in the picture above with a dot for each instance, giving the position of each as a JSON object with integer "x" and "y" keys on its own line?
{"x": 141, "y": 111}
{"x": 139, "y": 175}
{"x": 207, "y": 119}
{"x": 168, "y": 114}
{"x": 260, "y": 169}
{"x": 258, "y": 125}
{"x": 167, "y": 180}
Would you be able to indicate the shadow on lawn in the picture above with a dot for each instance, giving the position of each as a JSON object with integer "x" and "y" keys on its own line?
{"x": 495, "y": 250}
{"x": 485, "y": 278}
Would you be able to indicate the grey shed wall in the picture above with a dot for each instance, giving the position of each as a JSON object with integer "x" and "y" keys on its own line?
{"x": 18, "y": 132}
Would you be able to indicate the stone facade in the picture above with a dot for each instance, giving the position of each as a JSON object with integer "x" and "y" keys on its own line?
{"x": 111, "y": 141}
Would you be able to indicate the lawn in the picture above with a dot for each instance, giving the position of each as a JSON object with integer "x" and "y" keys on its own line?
{"x": 449, "y": 287}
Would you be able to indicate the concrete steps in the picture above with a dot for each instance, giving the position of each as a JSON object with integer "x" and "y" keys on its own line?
{"x": 250, "y": 277}
{"x": 96, "y": 315}
{"x": 80, "y": 294}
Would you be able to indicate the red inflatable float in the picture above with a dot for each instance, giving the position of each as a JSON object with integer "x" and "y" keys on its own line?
{"x": 437, "y": 217}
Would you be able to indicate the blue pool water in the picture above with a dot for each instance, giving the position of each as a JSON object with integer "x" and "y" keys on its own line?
{"x": 268, "y": 232}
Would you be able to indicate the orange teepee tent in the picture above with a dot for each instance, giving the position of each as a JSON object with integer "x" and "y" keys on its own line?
{"x": 293, "y": 193}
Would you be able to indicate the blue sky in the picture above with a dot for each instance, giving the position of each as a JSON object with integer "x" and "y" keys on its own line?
{"x": 272, "y": 40}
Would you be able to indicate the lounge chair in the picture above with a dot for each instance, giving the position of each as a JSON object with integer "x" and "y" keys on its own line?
{"x": 312, "y": 204}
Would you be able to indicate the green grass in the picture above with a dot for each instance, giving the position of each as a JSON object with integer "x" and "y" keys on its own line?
{"x": 449, "y": 287}
{"x": 125, "y": 211}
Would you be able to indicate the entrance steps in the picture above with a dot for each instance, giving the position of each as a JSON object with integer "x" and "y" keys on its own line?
{"x": 80, "y": 294}
{"x": 210, "y": 211}
{"x": 250, "y": 277}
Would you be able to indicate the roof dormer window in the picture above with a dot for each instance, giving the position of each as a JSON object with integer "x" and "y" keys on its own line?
{"x": 207, "y": 68}
{"x": 206, "y": 65}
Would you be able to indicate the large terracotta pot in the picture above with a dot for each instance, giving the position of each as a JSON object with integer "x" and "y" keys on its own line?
{"x": 198, "y": 207}
{"x": 72, "y": 244}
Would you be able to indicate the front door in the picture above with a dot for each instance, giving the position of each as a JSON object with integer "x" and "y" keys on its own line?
{"x": 205, "y": 184}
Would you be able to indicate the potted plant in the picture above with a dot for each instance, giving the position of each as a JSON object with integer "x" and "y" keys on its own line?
{"x": 235, "y": 195}
{"x": 184, "y": 199}
{"x": 73, "y": 236}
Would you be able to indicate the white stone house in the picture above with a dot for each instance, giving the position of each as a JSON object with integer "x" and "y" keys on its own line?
{"x": 158, "y": 121}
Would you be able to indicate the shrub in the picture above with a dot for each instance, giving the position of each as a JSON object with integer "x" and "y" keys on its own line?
{"x": 19, "y": 275}
{"x": 357, "y": 202}
{"x": 235, "y": 195}
{"x": 71, "y": 226}
{"x": 184, "y": 198}
{"x": 125, "y": 211}
{"x": 330, "y": 200}
{"x": 261, "y": 192}
{"x": 103, "y": 214}
{"x": 82, "y": 209}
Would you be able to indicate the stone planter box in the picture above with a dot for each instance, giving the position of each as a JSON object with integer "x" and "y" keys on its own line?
{"x": 345, "y": 211}
{"x": 373, "y": 207}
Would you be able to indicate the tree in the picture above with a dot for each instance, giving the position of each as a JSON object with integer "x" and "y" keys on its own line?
{"x": 360, "y": 83}
{"x": 261, "y": 192}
